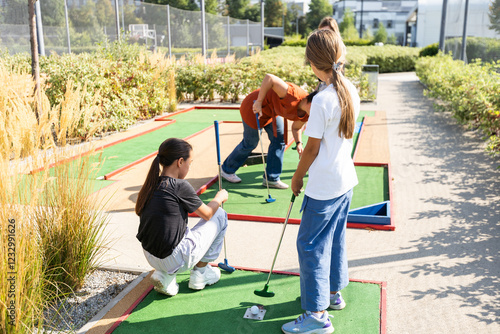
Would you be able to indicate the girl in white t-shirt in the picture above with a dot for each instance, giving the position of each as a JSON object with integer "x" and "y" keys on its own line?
{"x": 327, "y": 158}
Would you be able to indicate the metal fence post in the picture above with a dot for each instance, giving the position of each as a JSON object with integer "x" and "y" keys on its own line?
{"x": 168, "y": 31}
{"x": 203, "y": 45}
{"x": 39, "y": 29}
{"x": 443, "y": 25}
{"x": 262, "y": 22}
{"x": 248, "y": 38}
{"x": 228, "y": 36}
{"x": 67, "y": 25}
{"x": 123, "y": 15}
{"x": 464, "y": 35}
{"x": 117, "y": 17}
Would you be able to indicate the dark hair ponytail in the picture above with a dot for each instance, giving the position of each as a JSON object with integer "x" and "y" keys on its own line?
{"x": 170, "y": 150}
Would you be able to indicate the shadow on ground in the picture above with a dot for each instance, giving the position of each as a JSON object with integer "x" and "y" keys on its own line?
{"x": 473, "y": 205}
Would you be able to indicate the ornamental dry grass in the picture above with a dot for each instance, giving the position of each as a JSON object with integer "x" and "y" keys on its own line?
{"x": 51, "y": 232}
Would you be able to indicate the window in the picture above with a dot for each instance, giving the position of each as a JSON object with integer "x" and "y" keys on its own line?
{"x": 389, "y": 24}
{"x": 375, "y": 23}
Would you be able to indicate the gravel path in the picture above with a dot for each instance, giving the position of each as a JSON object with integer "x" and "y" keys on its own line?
{"x": 99, "y": 289}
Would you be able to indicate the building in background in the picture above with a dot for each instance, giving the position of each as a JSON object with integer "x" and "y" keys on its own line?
{"x": 368, "y": 14}
{"x": 427, "y": 18}
{"x": 418, "y": 23}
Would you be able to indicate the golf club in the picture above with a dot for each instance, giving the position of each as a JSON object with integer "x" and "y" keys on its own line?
{"x": 225, "y": 266}
{"x": 265, "y": 292}
{"x": 269, "y": 199}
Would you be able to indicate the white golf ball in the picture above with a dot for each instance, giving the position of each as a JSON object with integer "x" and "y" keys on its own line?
{"x": 254, "y": 309}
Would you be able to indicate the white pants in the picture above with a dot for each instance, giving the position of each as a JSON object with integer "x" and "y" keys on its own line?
{"x": 201, "y": 243}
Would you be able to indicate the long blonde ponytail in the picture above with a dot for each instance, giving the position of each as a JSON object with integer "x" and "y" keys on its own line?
{"x": 324, "y": 51}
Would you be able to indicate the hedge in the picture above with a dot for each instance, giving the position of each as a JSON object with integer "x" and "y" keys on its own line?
{"x": 470, "y": 92}
{"x": 195, "y": 80}
{"x": 132, "y": 84}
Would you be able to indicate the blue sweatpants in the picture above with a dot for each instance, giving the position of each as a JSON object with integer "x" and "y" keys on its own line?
{"x": 322, "y": 250}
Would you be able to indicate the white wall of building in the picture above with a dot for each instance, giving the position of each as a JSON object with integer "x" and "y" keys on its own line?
{"x": 429, "y": 20}
{"x": 392, "y": 14}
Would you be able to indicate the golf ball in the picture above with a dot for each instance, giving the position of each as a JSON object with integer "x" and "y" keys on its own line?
{"x": 254, "y": 309}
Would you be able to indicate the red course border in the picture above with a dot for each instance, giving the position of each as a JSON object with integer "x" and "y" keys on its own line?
{"x": 382, "y": 305}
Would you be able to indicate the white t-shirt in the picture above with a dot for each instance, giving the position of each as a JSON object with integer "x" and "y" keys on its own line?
{"x": 332, "y": 173}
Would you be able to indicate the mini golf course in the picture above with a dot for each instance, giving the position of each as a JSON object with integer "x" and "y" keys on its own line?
{"x": 247, "y": 199}
{"x": 220, "y": 308}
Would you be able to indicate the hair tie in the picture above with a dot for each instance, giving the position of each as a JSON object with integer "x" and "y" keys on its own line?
{"x": 336, "y": 66}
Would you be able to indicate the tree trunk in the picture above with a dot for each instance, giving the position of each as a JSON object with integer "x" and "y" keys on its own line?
{"x": 35, "y": 67}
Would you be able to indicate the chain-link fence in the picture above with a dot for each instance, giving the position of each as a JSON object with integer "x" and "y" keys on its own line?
{"x": 470, "y": 18}
{"x": 80, "y": 26}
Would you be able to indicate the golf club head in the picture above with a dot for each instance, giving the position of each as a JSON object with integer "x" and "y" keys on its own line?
{"x": 264, "y": 292}
{"x": 270, "y": 199}
{"x": 226, "y": 267}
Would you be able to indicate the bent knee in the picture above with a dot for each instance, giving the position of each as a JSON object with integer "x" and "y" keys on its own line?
{"x": 221, "y": 217}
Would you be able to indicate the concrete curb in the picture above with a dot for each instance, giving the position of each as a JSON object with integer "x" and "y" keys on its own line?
{"x": 113, "y": 302}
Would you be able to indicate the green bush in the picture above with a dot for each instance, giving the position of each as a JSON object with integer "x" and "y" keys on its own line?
{"x": 130, "y": 83}
{"x": 358, "y": 42}
{"x": 470, "y": 92}
{"x": 294, "y": 40}
{"x": 429, "y": 50}
{"x": 231, "y": 80}
{"x": 389, "y": 58}
{"x": 486, "y": 49}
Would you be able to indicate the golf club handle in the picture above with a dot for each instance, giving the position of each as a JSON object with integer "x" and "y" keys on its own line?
{"x": 257, "y": 118}
{"x": 281, "y": 238}
{"x": 216, "y": 126}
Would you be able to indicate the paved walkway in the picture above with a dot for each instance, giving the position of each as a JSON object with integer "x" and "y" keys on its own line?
{"x": 442, "y": 262}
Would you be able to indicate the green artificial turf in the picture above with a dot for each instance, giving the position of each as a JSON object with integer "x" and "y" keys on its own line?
{"x": 219, "y": 308}
{"x": 249, "y": 196}
{"x": 186, "y": 124}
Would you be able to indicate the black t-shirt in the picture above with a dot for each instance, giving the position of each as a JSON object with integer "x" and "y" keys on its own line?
{"x": 165, "y": 217}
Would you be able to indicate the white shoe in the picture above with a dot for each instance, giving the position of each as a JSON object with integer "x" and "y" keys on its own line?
{"x": 197, "y": 280}
{"x": 275, "y": 184}
{"x": 164, "y": 283}
{"x": 230, "y": 177}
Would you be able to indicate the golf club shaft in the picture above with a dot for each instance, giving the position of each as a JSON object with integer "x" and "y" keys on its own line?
{"x": 216, "y": 126}
{"x": 281, "y": 238}
{"x": 262, "y": 154}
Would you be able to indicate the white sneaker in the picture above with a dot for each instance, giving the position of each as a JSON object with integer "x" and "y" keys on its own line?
{"x": 197, "y": 280}
{"x": 230, "y": 177}
{"x": 164, "y": 283}
{"x": 337, "y": 302}
{"x": 275, "y": 184}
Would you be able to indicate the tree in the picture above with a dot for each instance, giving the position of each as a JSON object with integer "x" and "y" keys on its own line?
{"x": 53, "y": 13}
{"x": 347, "y": 28}
{"x": 494, "y": 15}
{"x": 318, "y": 9}
{"x": 105, "y": 13}
{"x": 180, "y": 4}
{"x": 367, "y": 34}
{"x": 381, "y": 35}
{"x": 237, "y": 8}
{"x": 291, "y": 20}
{"x": 392, "y": 39}
{"x": 252, "y": 13}
{"x": 273, "y": 13}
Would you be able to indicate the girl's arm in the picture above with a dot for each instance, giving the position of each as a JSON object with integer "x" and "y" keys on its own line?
{"x": 207, "y": 211}
{"x": 308, "y": 156}
{"x": 297, "y": 135}
{"x": 270, "y": 82}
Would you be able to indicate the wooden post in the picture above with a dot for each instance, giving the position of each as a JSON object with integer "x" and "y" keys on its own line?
{"x": 35, "y": 67}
